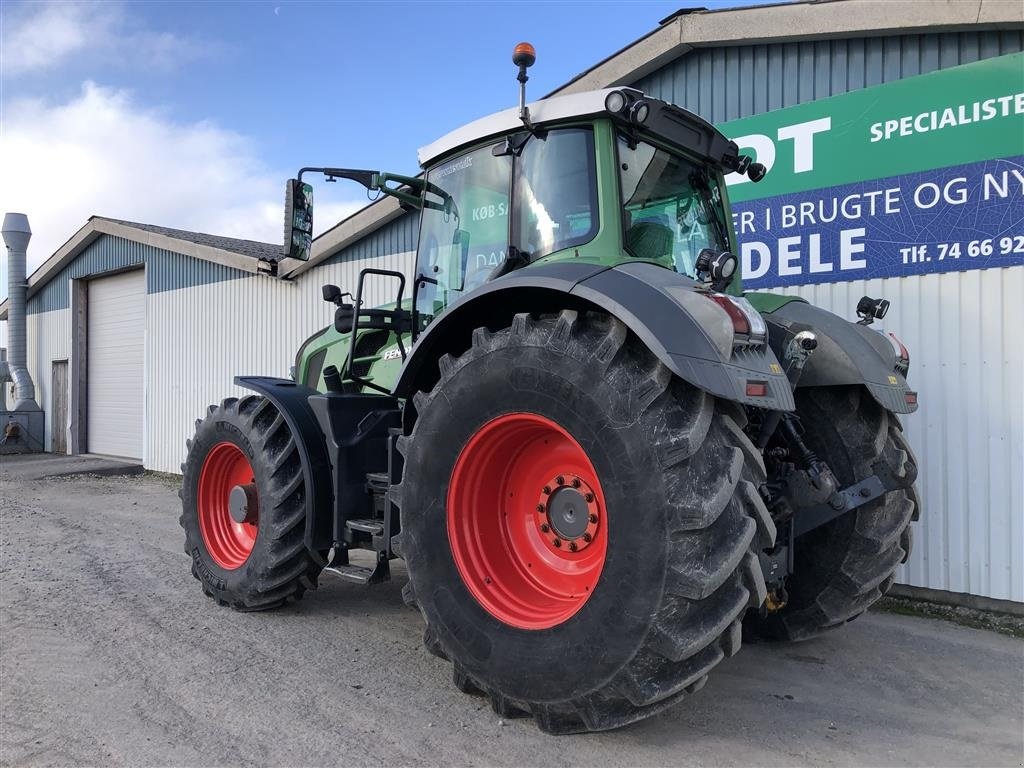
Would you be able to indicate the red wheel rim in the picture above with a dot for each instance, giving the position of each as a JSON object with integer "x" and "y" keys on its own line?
{"x": 526, "y": 521}
{"x": 229, "y": 542}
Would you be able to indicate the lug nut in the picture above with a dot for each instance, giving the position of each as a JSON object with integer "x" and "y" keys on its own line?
{"x": 575, "y": 482}
{"x": 547, "y": 490}
{"x": 588, "y": 497}
{"x": 544, "y": 527}
{"x": 572, "y": 546}
{"x": 587, "y": 537}
{"x": 540, "y": 507}
{"x": 593, "y": 518}
{"x": 557, "y": 542}
{"x": 560, "y": 480}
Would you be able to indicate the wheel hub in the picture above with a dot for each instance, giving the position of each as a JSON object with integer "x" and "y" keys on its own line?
{"x": 243, "y": 504}
{"x": 568, "y": 513}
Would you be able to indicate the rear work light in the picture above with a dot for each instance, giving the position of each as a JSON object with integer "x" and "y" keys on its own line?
{"x": 747, "y": 324}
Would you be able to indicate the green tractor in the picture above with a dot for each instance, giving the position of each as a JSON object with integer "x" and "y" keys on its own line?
{"x": 604, "y": 464}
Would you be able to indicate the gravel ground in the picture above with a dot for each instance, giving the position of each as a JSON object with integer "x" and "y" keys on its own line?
{"x": 111, "y": 655}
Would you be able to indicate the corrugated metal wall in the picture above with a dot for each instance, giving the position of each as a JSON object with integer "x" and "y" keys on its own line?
{"x": 49, "y": 338}
{"x": 200, "y": 338}
{"x": 728, "y": 83}
{"x": 966, "y": 360}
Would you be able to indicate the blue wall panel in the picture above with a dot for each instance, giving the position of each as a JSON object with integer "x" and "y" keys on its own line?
{"x": 721, "y": 84}
{"x": 398, "y": 236}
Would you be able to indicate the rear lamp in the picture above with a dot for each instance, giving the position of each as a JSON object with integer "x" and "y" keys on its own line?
{"x": 902, "y": 354}
{"x": 757, "y": 389}
{"x": 910, "y": 398}
{"x": 639, "y": 112}
{"x": 747, "y": 324}
{"x": 615, "y": 102}
{"x": 740, "y": 324}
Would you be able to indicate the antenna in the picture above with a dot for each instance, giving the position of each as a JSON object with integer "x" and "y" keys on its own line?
{"x": 524, "y": 56}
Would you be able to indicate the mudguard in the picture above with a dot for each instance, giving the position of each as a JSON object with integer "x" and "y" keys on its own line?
{"x": 669, "y": 312}
{"x": 847, "y": 353}
{"x": 292, "y": 400}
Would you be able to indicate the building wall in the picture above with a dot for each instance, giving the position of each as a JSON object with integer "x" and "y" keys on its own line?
{"x": 206, "y": 323}
{"x": 49, "y": 338}
{"x": 731, "y": 82}
{"x": 201, "y": 338}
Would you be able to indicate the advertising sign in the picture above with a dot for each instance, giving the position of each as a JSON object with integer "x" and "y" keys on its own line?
{"x": 913, "y": 177}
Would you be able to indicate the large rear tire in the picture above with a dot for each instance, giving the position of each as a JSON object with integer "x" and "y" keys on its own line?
{"x": 571, "y": 415}
{"x": 845, "y": 566}
{"x": 243, "y": 507}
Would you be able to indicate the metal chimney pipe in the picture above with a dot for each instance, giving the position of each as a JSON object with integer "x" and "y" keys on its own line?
{"x": 17, "y": 233}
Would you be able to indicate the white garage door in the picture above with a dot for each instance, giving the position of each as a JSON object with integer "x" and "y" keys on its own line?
{"x": 116, "y": 362}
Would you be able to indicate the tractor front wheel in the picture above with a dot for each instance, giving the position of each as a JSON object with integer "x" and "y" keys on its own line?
{"x": 580, "y": 527}
{"x": 243, "y": 507}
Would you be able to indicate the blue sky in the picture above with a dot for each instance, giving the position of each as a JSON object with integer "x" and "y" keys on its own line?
{"x": 193, "y": 114}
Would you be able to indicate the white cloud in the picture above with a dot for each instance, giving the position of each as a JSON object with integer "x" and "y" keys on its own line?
{"x": 39, "y": 37}
{"x": 102, "y": 154}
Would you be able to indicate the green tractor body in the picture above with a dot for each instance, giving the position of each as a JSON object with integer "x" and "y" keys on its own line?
{"x": 603, "y": 463}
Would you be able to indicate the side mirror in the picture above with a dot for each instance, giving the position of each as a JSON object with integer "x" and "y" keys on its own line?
{"x": 298, "y": 219}
{"x": 331, "y": 293}
{"x": 344, "y": 318}
{"x": 756, "y": 172}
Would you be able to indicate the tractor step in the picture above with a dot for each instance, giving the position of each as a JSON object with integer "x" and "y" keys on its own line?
{"x": 359, "y": 574}
{"x": 372, "y": 527}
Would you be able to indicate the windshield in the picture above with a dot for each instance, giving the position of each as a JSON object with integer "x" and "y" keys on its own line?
{"x": 673, "y": 209}
{"x": 463, "y": 228}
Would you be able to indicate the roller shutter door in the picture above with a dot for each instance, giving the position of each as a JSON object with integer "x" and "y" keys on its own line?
{"x": 117, "y": 348}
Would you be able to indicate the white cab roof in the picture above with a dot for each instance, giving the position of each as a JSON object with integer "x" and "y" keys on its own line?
{"x": 543, "y": 111}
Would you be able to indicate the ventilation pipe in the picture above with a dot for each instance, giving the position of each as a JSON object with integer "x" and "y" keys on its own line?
{"x": 17, "y": 233}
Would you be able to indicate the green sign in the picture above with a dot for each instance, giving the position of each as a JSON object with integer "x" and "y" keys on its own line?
{"x": 953, "y": 116}
{"x": 916, "y": 176}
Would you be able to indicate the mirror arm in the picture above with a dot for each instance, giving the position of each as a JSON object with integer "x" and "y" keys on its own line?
{"x": 408, "y": 191}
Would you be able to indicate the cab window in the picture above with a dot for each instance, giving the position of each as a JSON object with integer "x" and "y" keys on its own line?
{"x": 463, "y": 227}
{"x": 555, "y": 192}
{"x": 672, "y": 207}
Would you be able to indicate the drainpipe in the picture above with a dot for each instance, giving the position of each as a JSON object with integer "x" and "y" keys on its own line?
{"x": 17, "y": 233}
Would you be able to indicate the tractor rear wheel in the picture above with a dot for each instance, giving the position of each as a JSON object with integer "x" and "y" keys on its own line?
{"x": 243, "y": 507}
{"x": 844, "y": 567}
{"x": 580, "y": 527}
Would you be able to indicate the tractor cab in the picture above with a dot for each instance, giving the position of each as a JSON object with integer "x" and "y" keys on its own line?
{"x": 604, "y": 177}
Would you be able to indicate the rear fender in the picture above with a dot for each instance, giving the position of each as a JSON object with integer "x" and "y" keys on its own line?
{"x": 292, "y": 400}
{"x": 690, "y": 334}
{"x": 847, "y": 354}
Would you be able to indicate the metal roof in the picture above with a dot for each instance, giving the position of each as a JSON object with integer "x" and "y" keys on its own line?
{"x": 252, "y": 248}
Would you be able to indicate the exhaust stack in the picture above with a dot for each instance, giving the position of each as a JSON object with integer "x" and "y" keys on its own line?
{"x": 22, "y": 429}
{"x": 17, "y": 233}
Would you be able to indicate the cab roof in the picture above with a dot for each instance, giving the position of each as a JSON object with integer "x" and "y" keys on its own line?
{"x": 543, "y": 111}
